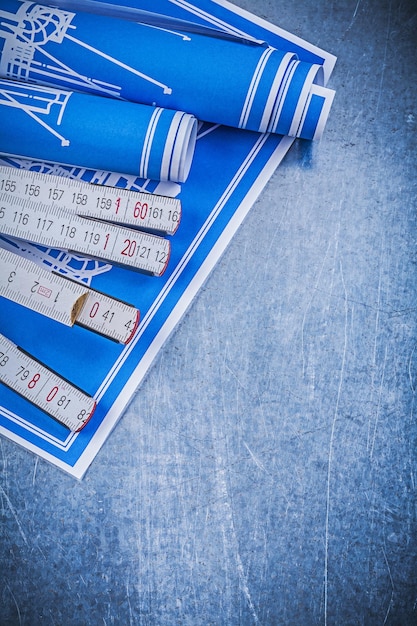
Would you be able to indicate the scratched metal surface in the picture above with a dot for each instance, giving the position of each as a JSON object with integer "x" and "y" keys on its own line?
{"x": 265, "y": 471}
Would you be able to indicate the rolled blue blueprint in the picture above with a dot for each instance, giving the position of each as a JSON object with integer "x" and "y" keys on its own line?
{"x": 71, "y": 128}
{"x": 253, "y": 87}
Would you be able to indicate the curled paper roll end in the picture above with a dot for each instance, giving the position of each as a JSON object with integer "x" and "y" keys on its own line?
{"x": 305, "y": 107}
{"x": 313, "y": 106}
{"x": 179, "y": 148}
{"x": 301, "y": 101}
{"x": 316, "y": 113}
{"x": 288, "y": 97}
{"x": 79, "y": 129}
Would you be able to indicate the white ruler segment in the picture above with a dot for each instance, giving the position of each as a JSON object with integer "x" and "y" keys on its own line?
{"x": 65, "y": 300}
{"x": 38, "y": 289}
{"x": 107, "y": 316}
{"x": 55, "y": 227}
{"x": 43, "y": 387}
{"x": 145, "y": 211}
{"x": 159, "y": 214}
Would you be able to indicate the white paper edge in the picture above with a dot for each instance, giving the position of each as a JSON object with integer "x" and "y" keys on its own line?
{"x": 328, "y": 95}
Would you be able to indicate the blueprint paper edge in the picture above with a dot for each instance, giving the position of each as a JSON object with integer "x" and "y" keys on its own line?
{"x": 178, "y": 312}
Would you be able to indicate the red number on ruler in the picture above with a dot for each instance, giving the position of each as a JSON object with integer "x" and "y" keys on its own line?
{"x": 34, "y": 380}
{"x": 51, "y": 395}
{"x": 140, "y": 210}
{"x": 130, "y": 248}
{"x": 94, "y": 309}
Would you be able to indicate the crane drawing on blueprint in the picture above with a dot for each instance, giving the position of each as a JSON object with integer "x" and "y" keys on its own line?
{"x": 38, "y": 103}
{"x": 27, "y": 31}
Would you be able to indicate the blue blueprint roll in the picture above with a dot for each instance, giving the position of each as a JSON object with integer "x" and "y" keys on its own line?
{"x": 100, "y": 133}
{"x": 249, "y": 86}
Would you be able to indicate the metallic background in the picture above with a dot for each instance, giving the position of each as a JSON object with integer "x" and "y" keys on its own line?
{"x": 265, "y": 471}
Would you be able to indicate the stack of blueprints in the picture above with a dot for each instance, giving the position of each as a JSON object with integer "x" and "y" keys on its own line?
{"x": 194, "y": 100}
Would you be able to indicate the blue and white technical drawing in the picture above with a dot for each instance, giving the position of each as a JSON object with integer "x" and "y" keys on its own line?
{"x": 236, "y": 86}
{"x": 254, "y": 86}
